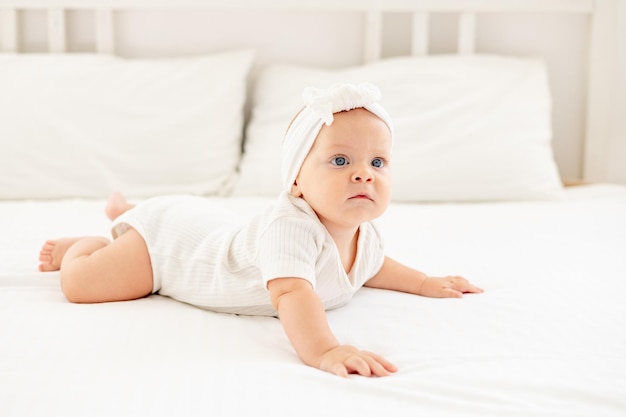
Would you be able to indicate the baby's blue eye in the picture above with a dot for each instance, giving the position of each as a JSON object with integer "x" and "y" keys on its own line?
{"x": 377, "y": 163}
{"x": 339, "y": 161}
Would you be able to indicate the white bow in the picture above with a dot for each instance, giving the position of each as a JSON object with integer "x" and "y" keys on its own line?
{"x": 339, "y": 97}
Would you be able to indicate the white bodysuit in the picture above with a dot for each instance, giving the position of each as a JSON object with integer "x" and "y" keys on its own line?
{"x": 203, "y": 255}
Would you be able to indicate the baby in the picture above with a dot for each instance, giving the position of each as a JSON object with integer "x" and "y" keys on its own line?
{"x": 311, "y": 251}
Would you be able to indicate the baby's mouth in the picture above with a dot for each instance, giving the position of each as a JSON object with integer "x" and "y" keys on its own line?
{"x": 361, "y": 197}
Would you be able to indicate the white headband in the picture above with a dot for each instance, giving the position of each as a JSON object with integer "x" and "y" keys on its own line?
{"x": 319, "y": 106}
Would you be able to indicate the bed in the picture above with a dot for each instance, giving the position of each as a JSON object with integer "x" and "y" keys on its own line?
{"x": 477, "y": 192}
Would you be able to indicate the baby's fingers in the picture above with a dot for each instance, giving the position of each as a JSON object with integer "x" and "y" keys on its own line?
{"x": 379, "y": 365}
{"x": 369, "y": 364}
{"x": 340, "y": 370}
{"x": 358, "y": 365}
{"x": 462, "y": 285}
{"x": 356, "y": 362}
{"x": 450, "y": 292}
{"x": 473, "y": 289}
{"x": 351, "y": 365}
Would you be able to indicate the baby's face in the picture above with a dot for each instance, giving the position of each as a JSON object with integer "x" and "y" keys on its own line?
{"x": 346, "y": 177}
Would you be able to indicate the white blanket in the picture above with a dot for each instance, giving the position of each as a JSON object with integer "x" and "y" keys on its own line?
{"x": 547, "y": 338}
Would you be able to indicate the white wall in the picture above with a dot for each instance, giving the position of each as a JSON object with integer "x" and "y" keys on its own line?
{"x": 334, "y": 40}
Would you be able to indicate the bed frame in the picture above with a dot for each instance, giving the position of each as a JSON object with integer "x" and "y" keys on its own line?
{"x": 595, "y": 137}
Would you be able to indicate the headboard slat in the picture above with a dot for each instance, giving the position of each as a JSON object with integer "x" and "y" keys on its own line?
{"x": 8, "y": 30}
{"x": 373, "y": 35}
{"x": 56, "y": 31}
{"x": 105, "y": 39}
{"x": 420, "y": 34}
{"x": 467, "y": 33}
{"x": 600, "y": 85}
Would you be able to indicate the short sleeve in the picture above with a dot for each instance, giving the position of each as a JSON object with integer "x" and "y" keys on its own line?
{"x": 290, "y": 247}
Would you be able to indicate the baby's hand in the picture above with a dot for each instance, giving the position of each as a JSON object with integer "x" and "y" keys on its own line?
{"x": 344, "y": 360}
{"x": 447, "y": 287}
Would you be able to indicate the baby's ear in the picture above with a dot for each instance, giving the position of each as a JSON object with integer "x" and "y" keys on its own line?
{"x": 295, "y": 190}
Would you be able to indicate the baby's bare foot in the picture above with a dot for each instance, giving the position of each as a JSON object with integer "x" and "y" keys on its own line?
{"x": 116, "y": 206}
{"x": 52, "y": 253}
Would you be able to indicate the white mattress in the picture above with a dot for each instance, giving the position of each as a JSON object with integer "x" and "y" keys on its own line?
{"x": 547, "y": 338}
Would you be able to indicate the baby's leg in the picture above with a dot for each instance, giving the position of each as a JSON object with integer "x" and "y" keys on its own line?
{"x": 53, "y": 251}
{"x": 116, "y": 206}
{"x": 94, "y": 270}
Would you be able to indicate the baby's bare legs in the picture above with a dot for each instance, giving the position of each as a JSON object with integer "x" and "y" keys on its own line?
{"x": 116, "y": 206}
{"x": 94, "y": 270}
{"x": 53, "y": 251}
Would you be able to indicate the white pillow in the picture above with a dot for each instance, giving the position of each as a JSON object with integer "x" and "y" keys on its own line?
{"x": 77, "y": 125}
{"x": 466, "y": 127}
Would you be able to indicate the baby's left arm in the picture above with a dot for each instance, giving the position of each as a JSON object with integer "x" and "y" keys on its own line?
{"x": 398, "y": 277}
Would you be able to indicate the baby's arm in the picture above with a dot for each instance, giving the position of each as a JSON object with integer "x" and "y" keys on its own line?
{"x": 304, "y": 320}
{"x": 398, "y": 277}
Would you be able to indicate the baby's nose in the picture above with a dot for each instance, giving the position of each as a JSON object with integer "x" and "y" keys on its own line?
{"x": 362, "y": 175}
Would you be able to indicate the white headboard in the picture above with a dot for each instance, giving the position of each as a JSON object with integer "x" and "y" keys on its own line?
{"x": 367, "y": 29}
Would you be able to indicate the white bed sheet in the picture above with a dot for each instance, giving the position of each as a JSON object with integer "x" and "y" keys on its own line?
{"x": 547, "y": 338}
